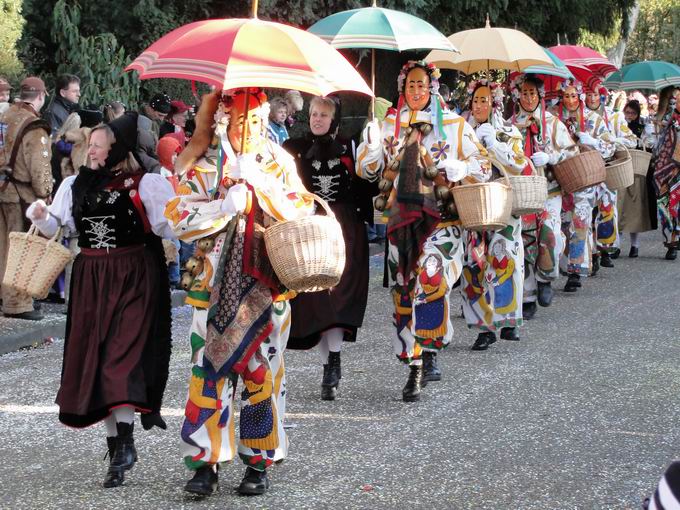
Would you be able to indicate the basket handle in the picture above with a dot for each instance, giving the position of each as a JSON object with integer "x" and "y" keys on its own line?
{"x": 501, "y": 167}
{"x": 624, "y": 148}
{"x": 537, "y": 170}
{"x": 323, "y": 204}
{"x": 33, "y": 231}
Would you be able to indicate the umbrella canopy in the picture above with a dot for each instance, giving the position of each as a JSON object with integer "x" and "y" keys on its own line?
{"x": 559, "y": 68}
{"x": 584, "y": 56}
{"x": 380, "y": 29}
{"x": 235, "y": 53}
{"x": 653, "y": 74}
{"x": 487, "y": 48}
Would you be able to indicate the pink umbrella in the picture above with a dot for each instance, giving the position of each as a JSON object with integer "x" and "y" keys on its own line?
{"x": 587, "y": 57}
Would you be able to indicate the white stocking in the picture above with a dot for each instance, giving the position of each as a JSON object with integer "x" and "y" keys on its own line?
{"x": 331, "y": 341}
{"x": 635, "y": 239}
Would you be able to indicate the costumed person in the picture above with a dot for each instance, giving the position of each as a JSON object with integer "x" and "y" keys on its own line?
{"x": 419, "y": 152}
{"x": 666, "y": 162}
{"x": 326, "y": 165}
{"x": 606, "y": 224}
{"x": 117, "y": 347}
{"x": 589, "y": 130}
{"x": 241, "y": 316}
{"x": 546, "y": 142}
{"x": 493, "y": 276}
{"x": 637, "y": 203}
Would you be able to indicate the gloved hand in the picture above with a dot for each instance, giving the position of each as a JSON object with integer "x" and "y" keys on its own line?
{"x": 540, "y": 158}
{"x": 371, "y": 135}
{"x": 246, "y": 167}
{"x": 487, "y": 134}
{"x": 236, "y": 200}
{"x": 455, "y": 170}
{"x": 37, "y": 211}
{"x": 586, "y": 139}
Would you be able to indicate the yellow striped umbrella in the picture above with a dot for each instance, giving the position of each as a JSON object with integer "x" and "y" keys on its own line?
{"x": 236, "y": 53}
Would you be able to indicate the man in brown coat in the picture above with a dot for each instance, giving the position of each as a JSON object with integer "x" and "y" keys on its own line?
{"x": 25, "y": 176}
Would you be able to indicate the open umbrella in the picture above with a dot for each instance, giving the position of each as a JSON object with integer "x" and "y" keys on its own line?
{"x": 559, "y": 68}
{"x": 235, "y": 53}
{"x": 584, "y": 56}
{"x": 482, "y": 49}
{"x": 653, "y": 75}
{"x": 378, "y": 28}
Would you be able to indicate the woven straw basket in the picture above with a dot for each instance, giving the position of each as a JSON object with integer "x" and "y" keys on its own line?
{"x": 641, "y": 161}
{"x": 485, "y": 205}
{"x": 529, "y": 192}
{"x": 34, "y": 263}
{"x": 580, "y": 172}
{"x": 620, "y": 173}
{"x": 307, "y": 254}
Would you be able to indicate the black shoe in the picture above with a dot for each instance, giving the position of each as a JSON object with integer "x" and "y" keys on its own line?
{"x": 573, "y": 283}
{"x": 605, "y": 260}
{"x": 33, "y": 315}
{"x": 528, "y": 310}
{"x": 672, "y": 253}
{"x": 204, "y": 481}
{"x": 615, "y": 254}
{"x": 411, "y": 392}
{"x": 484, "y": 340}
{"x": 509, "y": 334}
{"x": 633, "y": 253}
{"x": 545, "y": 293}
{"x": 431, "y": 371}
{"x": 124, "y": 455}
{"x": 254, "y": 483}
{"x": 332, "y": 374}
{"x": 596, "y": 266}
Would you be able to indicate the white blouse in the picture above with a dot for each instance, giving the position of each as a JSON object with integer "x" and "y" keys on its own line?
{"x": 154, "y": 190}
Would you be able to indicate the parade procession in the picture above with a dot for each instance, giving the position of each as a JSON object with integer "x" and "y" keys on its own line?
{"x": 498, "y": 212}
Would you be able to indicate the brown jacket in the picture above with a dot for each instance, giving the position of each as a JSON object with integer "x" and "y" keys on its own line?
{"x": 32, "y": 174}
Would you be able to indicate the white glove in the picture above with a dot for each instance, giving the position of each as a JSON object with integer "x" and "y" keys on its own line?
{"x": 37, "y": 211}
{"x": 540, "y": 158}
{"x": 371, "y": 135}
{"x": 236, "y": 200}
{"x": 586, "y": 139}
{"x": 455, "y": 170}
{"x": 247, "y": 168}
{"x": 487, "y": 134}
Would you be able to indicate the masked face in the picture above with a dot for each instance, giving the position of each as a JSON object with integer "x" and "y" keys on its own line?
{"x": 481, "y": 104}
{"x": 593, "y": 100}
{"x": 254, "y": 138}
{"x": 529, "y": 97}
{"x": 417, "y": 89}
{"x": 570, "y": 99}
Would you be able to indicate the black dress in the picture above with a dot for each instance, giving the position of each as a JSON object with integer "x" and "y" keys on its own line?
{"x": 326, "y": 167}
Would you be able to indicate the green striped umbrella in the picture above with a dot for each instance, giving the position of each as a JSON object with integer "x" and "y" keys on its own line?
{"x": 652, "y": 74}
{"x": 560, "y": 69}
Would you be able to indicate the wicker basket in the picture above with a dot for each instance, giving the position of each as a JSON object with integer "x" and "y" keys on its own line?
{"x": 580, "y": 172}
{"x": 307, "y": 254}
{"x": 529, "y": 192}
{"x": 34, "y": 262}
{"x": 620, "y": 170}
{"x": 485, "y": 205}
{"x": 641, "y": 161}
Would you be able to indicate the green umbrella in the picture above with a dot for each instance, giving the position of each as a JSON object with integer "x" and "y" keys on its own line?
{"x": 560, "y": 69}
{"x": 378, "y": 28}
{"x": 652, "y": 74}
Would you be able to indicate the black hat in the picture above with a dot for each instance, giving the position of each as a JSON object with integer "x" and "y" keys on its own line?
{"x": 125, "y": 130}
{"x": 90, "y": 118}
{"x": 160, "y": 103}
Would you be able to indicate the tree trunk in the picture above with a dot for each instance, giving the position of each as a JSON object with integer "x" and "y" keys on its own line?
{"x": 617, "y": 52}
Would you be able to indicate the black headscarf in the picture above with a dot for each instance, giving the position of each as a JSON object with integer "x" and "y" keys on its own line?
{"x": 90, "y": 181}
{"x": 325, "y": 147}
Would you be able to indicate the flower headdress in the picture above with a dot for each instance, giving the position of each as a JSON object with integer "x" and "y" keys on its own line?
{"x": 434, "y": 74}
{"x": 516, "y": 82}
{"x": 564, "y": 85}
{"x": 497, "y": 96}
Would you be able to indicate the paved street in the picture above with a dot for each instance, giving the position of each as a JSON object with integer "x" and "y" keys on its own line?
{"x": 582, "y": 413}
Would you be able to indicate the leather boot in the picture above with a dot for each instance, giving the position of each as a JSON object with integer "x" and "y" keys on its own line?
{"x": 528, "y": 310}
{"x": 254, "y": 483}
{"x": 595, "y": 268}
{"x": 431, "y": 371}
{"x": 204, "y": 481}
{"x": 124, "y": 455}
{"x": 606, "y": 260}
{"x": 672, "y": 253}
{"x": 545, "y": 293}
{"x": 510, "y": 334}
{"x": 411, "y": 392}
{"x": 633, "y": 253}
{"x": 484, "y": 340}
{"x": 573, "y": 283}
{"x": 332, "y": 374}
{"x": 615, "y": 254}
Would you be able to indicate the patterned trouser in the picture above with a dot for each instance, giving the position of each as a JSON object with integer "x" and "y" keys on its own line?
{"x": 577, "y": 225}
{"x": 606, "y": 226}
{"x": 11, "y": 220}
{"x": 543, "y": 244}
{"x": 493, "y": 281}
{"x": 422, "y": 318}
{"x": 207, "y": 435}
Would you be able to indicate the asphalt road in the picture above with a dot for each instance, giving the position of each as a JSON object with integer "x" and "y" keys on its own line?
{"x": 581, "y": 413}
